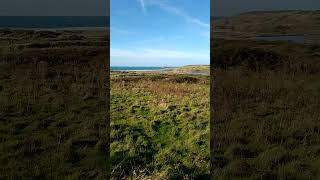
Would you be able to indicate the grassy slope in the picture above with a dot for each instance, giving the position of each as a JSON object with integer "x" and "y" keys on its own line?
{"x": 272, "y": 22}
{"x": 266, "y": 103}
{"x": 52, "y": 98}
{"x": 190, "y": 69}
{"x": 160, "y": 125}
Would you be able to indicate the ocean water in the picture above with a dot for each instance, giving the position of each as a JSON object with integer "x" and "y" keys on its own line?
{"x": 129, "y": 68}
{"x": 53, "y": 21}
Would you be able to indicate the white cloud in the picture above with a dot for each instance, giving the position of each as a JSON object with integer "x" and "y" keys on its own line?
{"x": 142, "y": 4}
{"x": 120, "y": 31}
{"x": 157, "y": 53}
{"x": 163, "y": 57}
{"x": 178, "y": 12}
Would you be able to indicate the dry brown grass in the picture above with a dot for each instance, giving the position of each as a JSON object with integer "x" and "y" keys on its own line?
{"x": 167, "y": 88}
{"x": 265, "y": 120}
{"x": 53, "y": 111}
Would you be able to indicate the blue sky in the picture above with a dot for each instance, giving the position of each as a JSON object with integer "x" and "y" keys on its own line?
{"x": 159, "y": 32}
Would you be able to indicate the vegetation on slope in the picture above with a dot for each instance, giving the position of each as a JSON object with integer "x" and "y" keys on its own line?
{"x": 266, "y": 110}
{"x": 160, "y": 126}
{"x": 269, "y": 22}
{"x": 194, "y": 69}
{"x": 52, "y": 97}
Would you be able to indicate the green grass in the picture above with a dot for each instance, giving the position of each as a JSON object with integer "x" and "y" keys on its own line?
{"x": 204, "y": 69}
{"x": 160, "y": 126}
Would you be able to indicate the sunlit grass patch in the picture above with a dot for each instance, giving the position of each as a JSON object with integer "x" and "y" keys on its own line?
{"x": 161, "y": 125}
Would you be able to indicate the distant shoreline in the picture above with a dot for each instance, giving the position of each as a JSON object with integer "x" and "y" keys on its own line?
{"x": 144, "y": 70}
{"x": 55, "y": 23}
{"x": 187, "y": 69}
{"x": 139, "y": 69}
{"x": 56, "y": 29}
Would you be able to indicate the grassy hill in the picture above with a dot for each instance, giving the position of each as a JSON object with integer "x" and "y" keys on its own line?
{"x": 194, "y": 69}
{"x": 52, "y": 112}
{"x": 270, "y": 22}
{"x": 265, "y": 102}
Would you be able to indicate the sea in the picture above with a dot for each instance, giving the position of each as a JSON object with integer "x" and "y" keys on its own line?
{"x": 54, "y": 22}
{"x": 141, "y": 68}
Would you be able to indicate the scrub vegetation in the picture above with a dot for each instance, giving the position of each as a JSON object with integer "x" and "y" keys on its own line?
{"x": 53, "y": 105}
{"x": 266, "y": 121}
{"x": 159, "y": 125}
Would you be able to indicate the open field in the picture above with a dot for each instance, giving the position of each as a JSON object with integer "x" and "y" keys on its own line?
{"x": 266, "y": 120}
{"x": 159, "y": 125}
{"x": 53, "y": 105}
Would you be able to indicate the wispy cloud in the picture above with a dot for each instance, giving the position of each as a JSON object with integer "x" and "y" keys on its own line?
{"x": 176, "y": 11}
{"x": 115, "y": 30}
{"x": 163, "y": 54}
{"x": 143, "y": 6}
{"x": 156, "y": 57}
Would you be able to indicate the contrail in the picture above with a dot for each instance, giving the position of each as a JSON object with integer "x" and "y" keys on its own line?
{"x": 174, "y": 10}
{"x": 142, "y": 5}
